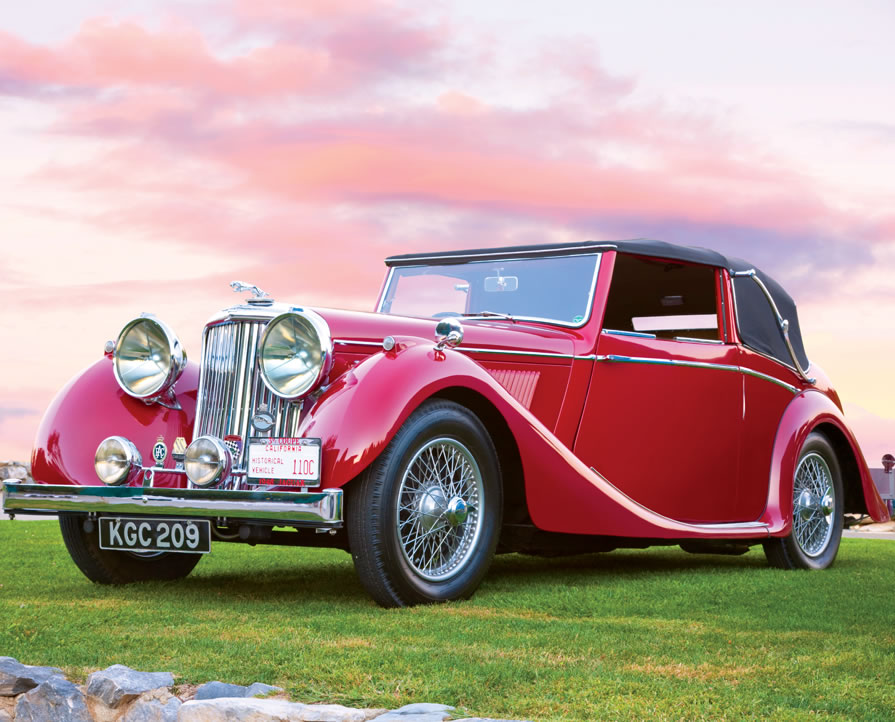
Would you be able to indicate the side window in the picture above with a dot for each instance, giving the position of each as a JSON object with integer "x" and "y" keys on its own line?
{"x": 665, "y": 298}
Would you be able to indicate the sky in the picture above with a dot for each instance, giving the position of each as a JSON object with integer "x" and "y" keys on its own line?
{"x": 154, "y": 151}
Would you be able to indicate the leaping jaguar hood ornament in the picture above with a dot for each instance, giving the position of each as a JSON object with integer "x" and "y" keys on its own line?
{"x": 259, "y": 297}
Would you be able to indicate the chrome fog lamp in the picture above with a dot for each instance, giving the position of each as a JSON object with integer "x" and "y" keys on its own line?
{"x": 117, "y": 460}
{"x": 148, "y": 358}
{"x": 208, "y": 461}
{"x": 295, "y": 354}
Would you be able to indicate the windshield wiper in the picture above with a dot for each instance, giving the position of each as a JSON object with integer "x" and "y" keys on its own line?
{"x": 489, "y": 314}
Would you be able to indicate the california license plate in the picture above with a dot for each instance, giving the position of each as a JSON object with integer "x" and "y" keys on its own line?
{"x": 284, "y": 461}
{"x": 155, "y": 535}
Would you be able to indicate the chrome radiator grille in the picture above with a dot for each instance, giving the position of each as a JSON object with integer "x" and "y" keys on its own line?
{"x": 231, "y": 389}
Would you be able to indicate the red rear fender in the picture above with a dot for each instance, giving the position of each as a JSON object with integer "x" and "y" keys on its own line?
{"x": 814, "y": 411}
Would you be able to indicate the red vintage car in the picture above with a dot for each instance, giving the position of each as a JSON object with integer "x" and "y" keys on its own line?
{"x": 539, "y": 399}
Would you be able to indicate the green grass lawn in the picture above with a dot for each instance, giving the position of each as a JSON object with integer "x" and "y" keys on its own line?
{"x": 656, "y": 634}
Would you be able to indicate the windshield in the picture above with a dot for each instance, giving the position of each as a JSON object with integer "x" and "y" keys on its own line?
{"x": 556, "y": 289}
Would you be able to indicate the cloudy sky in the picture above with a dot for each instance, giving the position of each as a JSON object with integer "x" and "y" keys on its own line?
{"x": 153, "y": 151}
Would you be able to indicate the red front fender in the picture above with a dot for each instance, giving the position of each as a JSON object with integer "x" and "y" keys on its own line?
{"x": 807, "y": 412}
{"x": 90, "y": 408}
{"x": 358, "y": 415}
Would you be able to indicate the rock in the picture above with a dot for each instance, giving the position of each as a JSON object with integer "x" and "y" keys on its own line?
{"x": 216, "y": 690}
{"x": 259, "y": 688}
{"x": 231, "y": 709}
{"x": 117, "y": 684}
{"x": 17, "y": 678}
{"x": 419, "y": 712}
{"x": 56, "y": 699}
{"x": 153, "y": 709}
{"x": 14, "y": 470}
{"x": 4, "y": 716}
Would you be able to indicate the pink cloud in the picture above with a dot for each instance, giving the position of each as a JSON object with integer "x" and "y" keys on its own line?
{"x": 190, "y": 134}
{"x": 362, "y": 43}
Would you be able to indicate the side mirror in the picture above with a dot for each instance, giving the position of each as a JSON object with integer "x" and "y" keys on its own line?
{"x": 449, "y": 332}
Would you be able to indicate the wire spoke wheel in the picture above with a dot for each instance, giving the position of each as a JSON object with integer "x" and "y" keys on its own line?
{"x": 817, "y": 506}
{"x": 813, "y": 500}
{"x": 438, "y": 509}
{"x": 425, "y": 517}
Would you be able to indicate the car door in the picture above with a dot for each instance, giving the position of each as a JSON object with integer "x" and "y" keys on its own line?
{"x": 664, "y": 410}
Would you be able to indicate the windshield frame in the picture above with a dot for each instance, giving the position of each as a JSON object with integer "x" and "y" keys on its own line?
{"x": 598, "y": 254}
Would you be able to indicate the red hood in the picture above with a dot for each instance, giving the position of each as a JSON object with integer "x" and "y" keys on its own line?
{"x": 478, "y": 333}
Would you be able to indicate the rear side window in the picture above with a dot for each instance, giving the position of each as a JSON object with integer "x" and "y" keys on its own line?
{"x": 665, "y": 298}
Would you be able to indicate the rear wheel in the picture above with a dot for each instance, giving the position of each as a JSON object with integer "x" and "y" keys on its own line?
{"x": 106, "y": 566}
{"x": 817, "y": 501}
{"x": 423, "y": 520}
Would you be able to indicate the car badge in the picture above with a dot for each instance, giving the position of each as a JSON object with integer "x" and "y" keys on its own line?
{"x": 262, "y": 420}
{"x": 160, "y": 451}
{"x": 178, "y": 452}
{"x": 234, "y": 443}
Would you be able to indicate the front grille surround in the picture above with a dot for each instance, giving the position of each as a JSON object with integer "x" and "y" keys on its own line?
{"x": 231, "y": 390}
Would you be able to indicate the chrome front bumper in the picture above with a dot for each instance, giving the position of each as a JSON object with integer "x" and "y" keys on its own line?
{"x": 310, "y": 509}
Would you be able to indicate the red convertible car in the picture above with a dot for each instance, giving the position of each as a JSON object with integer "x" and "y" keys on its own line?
{"x": 542, "y": 399}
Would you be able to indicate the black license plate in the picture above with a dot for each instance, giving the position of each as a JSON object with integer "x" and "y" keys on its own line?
{"x": 191, "y": 536}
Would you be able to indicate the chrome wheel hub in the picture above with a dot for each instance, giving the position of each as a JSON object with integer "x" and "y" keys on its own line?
{"x": 438, "y": 509}
{"x": 457, "y": 511}
{"x": 431, "y": 507}
{"x": 813, "y": 505}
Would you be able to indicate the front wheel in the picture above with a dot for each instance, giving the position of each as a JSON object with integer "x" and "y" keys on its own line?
{"x": 817, "y": 501}
{"x": 106, "y": 566}
{"x": 424, "y": 519}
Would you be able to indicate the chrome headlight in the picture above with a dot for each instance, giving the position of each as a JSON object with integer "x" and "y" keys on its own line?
{"x": 148, "y": 358}
{"x": 116, "y": 460}
{"x": 295, "y": 354}
{"x": 207, "y": 461}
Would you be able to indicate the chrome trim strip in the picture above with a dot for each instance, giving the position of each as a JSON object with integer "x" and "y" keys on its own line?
{"x": 766, "y": 377}
{"x": 536, "y": 354}
{"x": 733, "y": 525}
{"x": 782, "y": 323}
{"x": 688, "y": 339}
{"x": 323, "y": 508}
{"x": 350, "y": 342}
{"x": 613, "y": 358}
{"x": 635, "y": 334}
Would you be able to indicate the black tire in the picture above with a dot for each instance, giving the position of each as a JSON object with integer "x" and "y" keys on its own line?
{"x": 105, "y": 566}
{"x": 411, "y": 539}
{"x": 816, "y": 532}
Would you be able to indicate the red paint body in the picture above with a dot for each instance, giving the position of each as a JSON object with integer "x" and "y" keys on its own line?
{"x": 90, "y": 408}
{"x": 619, "y": 449}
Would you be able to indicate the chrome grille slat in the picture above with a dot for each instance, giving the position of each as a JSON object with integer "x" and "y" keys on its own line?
{"x": 231, "y": 389}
